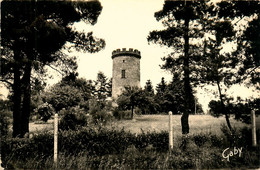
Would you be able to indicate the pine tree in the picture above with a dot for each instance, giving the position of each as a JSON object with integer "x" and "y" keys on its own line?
{"x": 32, "y": 36}
{"x": 182, "y": 20}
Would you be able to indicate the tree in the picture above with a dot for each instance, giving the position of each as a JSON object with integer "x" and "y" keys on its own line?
{"x": 148, "y": 88}
{"x": 217, "y": 64}
{"x": 241, "y": 110}
{"x": 69, "y": 92}
{"x": 172, "y": 98}
{"x": 130, "y": 98}
{"x": 103, "y": 87}
{"x": 151, "y": 106}
{"x": 220, "y": 67}
{"x": 33, "y": 34}
{"x": 160, "y": 92}
{"x": 249, "y": 47}
{"x": 45, "y": 110}
{"x": 84, "y": 86}
{"x": 182, "y": 20}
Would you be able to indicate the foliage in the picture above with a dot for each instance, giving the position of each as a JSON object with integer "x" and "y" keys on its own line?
{"x": 227, "y": 67}
{"x": 63, "y": 97}
{"x": 121, "y": 114}
{"x": 183, "y": 22}
{"x": 169, "y": 97}
{"x": 4, "y": 123}
{"x": 240, "y": 137}
{"x": 70, "y": 92}
{"x": 130, "y": 98}
{"x": 45, "y": 111}
{"x": 95, "y": 147}
{"x": 85, "y": 86}
{"x": 101, "y": 111}
{"x": 5, "y": 117}
{"x": 198, "y": 31}
{"x": 39, "y": 147}
{"x": 33, "y": 34}
{"x": 148, "y": 88}
{"x": 241, "y": 110}
{"x": 103, "y": 87}
{"x": 215, "y": 108}
{"x": 247, "y": 52}
{"x": 250, "y": 41}
{"x": 73, "y": 118}
{"x": 151, "y": 106}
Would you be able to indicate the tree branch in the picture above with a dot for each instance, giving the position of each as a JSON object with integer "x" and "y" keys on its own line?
{"x": 252, "y": 70}
{"x": 5, "y": 81}
{"x": 55, "y": 69}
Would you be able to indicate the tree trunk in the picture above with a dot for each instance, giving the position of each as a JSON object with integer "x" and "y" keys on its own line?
{"x": 224, "y": 111}
{"x": 187, "y": 87}
{"x": 132, "y": 111}
{"x": 26, "y": 98}
{"x": 17, "y": 95}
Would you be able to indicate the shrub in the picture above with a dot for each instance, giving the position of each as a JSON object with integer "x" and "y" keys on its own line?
{"x": 73, "y": 118}
{"x": 4, "y": 122}
{"x": 239, "y": 137}
{"x": 101, "y": 117}
{"x": 100, "y": 111}
{"x": 97, "y": 148}
{"x": 216, "y": 141}
{"x": 201, "y": 139}
{"x": 45, "y": 110}
{"x": 116, "y": 113}
{"x": 121, "y": 114}
{"x": 24, "y": 149}
{"x": 160, "y": 141}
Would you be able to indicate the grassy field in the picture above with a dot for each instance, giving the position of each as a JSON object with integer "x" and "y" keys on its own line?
{"x": 198, "y": 124}
{"x": 103, "y": 148}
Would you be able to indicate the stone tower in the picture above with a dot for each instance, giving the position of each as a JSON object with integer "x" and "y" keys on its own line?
{"x": 126, "y": 70}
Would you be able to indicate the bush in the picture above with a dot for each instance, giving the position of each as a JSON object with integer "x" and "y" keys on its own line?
{"x": 239, "y": 137}
{"x": 4, "y": 122}
{"x": 73, "y": 119}
{"x": 45, "y": 110}
{"x": 100, "y": 111}
{"x": 121, "y": 114}
{"x": 101, "y": 117}
{"x": 201, "y": 139}
{"x": 93, "y": 147}
{"x": 24, "y": 149}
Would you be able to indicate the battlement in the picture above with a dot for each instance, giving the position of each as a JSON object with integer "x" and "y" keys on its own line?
{"x": 123, "y": 52}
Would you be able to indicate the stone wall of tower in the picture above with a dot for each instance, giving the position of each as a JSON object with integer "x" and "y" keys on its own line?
{"x": 127, "y": 61}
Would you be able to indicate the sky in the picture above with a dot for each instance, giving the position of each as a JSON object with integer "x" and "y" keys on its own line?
{"x": 126, "y": 24}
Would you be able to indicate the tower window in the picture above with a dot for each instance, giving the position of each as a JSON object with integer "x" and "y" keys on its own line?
{"x": 123, "y": 74}
{"x": 123, "y": 61}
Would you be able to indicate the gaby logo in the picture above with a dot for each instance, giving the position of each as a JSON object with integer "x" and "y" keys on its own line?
{"x": 229, "y": 152}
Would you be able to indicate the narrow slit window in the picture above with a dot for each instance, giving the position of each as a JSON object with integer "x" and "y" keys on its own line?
{"x": 123, "y": 74}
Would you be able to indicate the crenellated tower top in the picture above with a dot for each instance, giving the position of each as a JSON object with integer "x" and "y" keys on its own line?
{"x": 123, "y": 52}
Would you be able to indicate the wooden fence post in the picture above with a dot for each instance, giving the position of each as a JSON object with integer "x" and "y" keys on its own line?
{"x": 56, "y": 117}
{"x": 170, "y": 131}
{"x": 253, "y": 128}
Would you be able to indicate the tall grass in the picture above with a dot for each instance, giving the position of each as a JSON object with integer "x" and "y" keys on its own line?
{"x": 103, "y": 148}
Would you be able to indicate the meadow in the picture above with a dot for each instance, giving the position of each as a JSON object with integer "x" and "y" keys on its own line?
{"x": 158, "y": 123}
{"x": 141, "y": 143}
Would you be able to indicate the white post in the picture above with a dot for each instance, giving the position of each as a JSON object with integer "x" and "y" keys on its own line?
{"x": 170, "y": 131}
{"x": 56, "y": 139}
{"x": 253, "y": 128}
{"x": 195, "y": 106}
